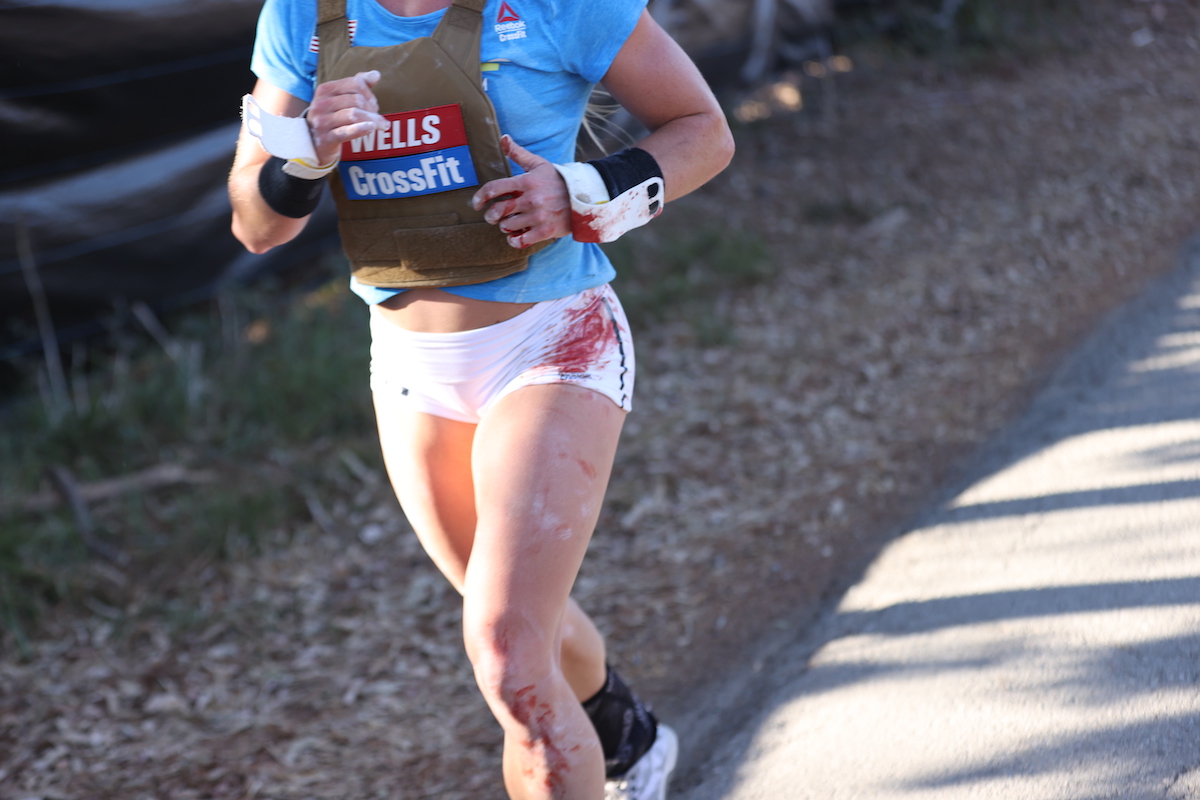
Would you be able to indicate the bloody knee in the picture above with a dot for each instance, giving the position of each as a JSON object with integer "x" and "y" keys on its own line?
{"x": 513, "y": 663}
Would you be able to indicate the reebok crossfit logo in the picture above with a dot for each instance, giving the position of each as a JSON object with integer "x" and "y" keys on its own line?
{"x": 509, "y": 26}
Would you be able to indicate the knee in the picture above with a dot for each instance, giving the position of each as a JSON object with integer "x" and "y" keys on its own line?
{"x": 512, "y": 662}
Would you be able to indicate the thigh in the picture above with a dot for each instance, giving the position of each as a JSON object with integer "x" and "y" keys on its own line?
{"x": 541, "y": 460}
{"x": 428, "y": 460}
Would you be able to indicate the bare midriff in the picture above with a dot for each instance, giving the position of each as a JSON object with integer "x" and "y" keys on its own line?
{"x": 435, "y": 311}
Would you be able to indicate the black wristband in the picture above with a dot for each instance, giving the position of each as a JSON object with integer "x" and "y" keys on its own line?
{"x": 624, "y": 170}
{"x": 286, "y": 194}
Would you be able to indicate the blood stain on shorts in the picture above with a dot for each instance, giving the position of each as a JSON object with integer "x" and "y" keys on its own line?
{"x": 587, "y": 334}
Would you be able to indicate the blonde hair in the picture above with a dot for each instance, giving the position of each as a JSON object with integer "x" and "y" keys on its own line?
{"x": 602, "y": 125}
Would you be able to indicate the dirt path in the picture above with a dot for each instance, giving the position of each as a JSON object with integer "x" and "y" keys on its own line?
{"x": 940, "y": 249}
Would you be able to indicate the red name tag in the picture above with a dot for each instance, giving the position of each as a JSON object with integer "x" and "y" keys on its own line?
{"x": 411, "y": 132}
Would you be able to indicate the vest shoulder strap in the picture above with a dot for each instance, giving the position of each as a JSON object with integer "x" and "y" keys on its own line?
{"x": 333, "y": 33}
{"x": 459, "y": 31}
{"x": 329, "y": 10}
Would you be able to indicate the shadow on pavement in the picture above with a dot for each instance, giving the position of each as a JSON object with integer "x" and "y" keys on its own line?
{"x": 1066, "y": 753}
{"x": 915, "y": 617}
{"x": 1090, "y": 498}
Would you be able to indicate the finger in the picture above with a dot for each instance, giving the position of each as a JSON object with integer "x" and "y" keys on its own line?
{"x": 503, "y": 208}
{"x": 526, "y": 228}
{"x": 366, "y": 82}
{"x": 510, "y": 226}
{"x": 344, "y": 125}
{"x": 338, "y": 102}
{"x": 345, "y": 133}
{"x": 522, "y": 239}
{"x": 329, "y": 131}
{"x": 493, "y": 190}
{"x": 520, "y": 156}
{"x": 355, "y": 90}
{"x": 518, "y": 231}
{"x": 354, "y": 116}
{"x": 363, "y": 80}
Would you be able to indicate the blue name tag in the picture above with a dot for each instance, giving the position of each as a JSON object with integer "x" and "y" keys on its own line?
{"x": 409, "y": 176}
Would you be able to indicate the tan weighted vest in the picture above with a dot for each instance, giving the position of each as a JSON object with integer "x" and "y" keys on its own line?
{"x": 393, "y": 234}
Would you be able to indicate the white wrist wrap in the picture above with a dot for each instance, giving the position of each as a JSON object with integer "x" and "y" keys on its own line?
{"x": 302, "y": 169}
{"x": 584, "y": 182}
{"x": 597, "y": 218}
{"x": 285, "y": 137}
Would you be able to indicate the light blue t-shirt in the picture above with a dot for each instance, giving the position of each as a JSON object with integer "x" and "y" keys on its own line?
{"x": 541, "y": 59}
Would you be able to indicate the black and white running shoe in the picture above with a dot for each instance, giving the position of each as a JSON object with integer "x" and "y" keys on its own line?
{"x": 648, "y": 778}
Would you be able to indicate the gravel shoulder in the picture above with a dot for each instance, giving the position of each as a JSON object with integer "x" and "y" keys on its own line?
{"x": 941, "y": 246}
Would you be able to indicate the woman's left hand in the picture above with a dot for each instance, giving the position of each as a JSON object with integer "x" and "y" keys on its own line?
{"x": 531, "y": 207}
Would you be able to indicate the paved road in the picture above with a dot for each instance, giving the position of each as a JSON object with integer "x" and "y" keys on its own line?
{"x": 1037, "y": 634}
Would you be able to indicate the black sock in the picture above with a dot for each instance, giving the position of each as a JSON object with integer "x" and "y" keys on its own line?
{"x": 625, "y": 725}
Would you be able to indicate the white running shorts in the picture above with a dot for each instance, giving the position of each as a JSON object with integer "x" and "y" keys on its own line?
{"x": 582, "y": 339}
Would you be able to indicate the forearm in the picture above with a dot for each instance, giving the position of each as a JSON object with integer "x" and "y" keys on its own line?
{"x": 690, "y": 150}
{"x": 255, "y": 224}
{"x": 660, "y": 86}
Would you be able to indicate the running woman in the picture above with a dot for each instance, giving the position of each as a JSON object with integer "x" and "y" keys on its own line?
{"x": 499, "y": 400}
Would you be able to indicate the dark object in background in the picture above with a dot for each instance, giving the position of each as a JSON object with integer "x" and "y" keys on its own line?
{"x": 118, "y": 120}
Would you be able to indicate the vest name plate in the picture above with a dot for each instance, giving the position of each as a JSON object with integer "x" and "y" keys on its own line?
{"x": 409, "y": 176}
{"x": 422, "y": 152}
{"x": 420, "y": 131}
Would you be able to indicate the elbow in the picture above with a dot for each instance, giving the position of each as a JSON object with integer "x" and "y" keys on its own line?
{"x": 253, "y": 223}
{"x": 257, "y": 248}
{"x": 258, "y": 234}
{"x": 251, "y": 240}
{"x": 723, "y": 146}
{"x": 727, "y": 147}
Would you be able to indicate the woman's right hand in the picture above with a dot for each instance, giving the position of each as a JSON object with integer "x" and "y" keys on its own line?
{"x": 342, "y": 110}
